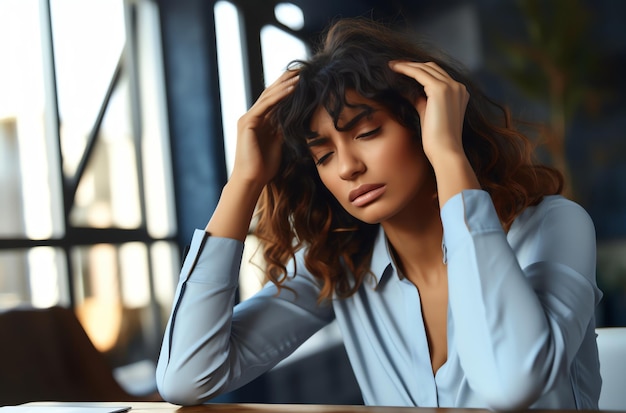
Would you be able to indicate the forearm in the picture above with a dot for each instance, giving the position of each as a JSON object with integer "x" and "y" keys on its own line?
{"x": 209, "y": 347}
{"x": 232, "y": 216}
{"x": 499, "y": 323}
{"x": 454, "y": 174}
{"x": 193, "y": 363}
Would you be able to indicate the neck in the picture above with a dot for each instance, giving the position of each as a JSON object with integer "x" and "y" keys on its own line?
{"x": 416, "y": 244}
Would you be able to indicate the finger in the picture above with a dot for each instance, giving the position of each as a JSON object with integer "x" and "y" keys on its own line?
{"x": 427, "y": 72}
{"x": 435, "y": 68}
{"x": 424, "y": 65}
{"x": 417, "y": 70}
{"x": 282, "y": 87}
{"x": 285, "y": 76}
{"x": 284, "y": 82}
{"x": 420, "y": 106}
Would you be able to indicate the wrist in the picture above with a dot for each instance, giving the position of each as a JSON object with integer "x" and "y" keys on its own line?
{"x": 454, "y": 174}
{"x": 245, "y": 192}
{"x": 446, "y": 155}
{"x": 245, "y": 185}
{"x": 233, "y": 213}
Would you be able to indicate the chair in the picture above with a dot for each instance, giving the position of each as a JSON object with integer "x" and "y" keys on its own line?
{"x": 612, "y": 351}
{"x": 46, "y": 355}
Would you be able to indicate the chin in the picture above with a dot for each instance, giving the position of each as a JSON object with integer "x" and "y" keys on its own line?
{"x": 371, "y": 217}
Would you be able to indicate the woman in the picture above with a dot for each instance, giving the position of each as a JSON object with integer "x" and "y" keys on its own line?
{"x": 393, "y": 197}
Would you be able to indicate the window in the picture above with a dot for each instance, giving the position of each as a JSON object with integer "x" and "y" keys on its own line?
{"x": 278, "y": 48}
{"x": 85, "y": 176}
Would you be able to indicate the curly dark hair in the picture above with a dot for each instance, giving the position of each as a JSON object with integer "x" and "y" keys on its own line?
{"x": 296, "y": 210}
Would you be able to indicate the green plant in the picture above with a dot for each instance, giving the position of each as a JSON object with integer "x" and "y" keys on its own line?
{"x": 556, "y": 63}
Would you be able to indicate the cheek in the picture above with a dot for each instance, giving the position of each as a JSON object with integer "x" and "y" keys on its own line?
{"x": 396, "y": 157}
{"x": 331, "y": 183}
{"x": 408, "y": 161}
{"x": 414, "y": 153}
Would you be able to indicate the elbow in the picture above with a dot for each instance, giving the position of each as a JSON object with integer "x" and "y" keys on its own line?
{"x": 514, "y": 394}
{"x": 183, "y": 390}
{"x": 184, "y": 394}
{"x": 513, "y": 383}
{"x": 179, "y": 392}
{"x": 515, "y": 386}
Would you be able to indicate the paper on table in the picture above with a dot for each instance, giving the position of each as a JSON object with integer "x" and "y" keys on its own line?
{"x": 64, "y": 408}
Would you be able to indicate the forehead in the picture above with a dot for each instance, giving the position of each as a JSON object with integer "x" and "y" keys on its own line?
{"x": 356, "y": 106}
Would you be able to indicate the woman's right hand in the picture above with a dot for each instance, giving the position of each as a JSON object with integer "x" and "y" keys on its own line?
{"x": 258, "y": 150}
{"x": 257, "y": 158}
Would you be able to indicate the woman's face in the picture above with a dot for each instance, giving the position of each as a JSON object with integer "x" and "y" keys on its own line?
{"x": 377, "y": 170}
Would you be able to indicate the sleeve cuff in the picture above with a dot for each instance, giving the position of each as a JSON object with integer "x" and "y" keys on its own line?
{"x": 212, "y": 259}
{"x": 466, "y": 214}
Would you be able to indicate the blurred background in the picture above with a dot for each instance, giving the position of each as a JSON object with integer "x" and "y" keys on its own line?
{"x": 117, "y": 130}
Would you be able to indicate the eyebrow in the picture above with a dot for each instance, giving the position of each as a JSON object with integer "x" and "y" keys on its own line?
{"x": 316, "y": 140}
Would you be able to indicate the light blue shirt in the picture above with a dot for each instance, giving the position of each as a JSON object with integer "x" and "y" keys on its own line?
{"x": 521, "y": 329}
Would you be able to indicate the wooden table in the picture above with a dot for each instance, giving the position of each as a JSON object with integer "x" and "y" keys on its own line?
{"x": 161, "y": 407}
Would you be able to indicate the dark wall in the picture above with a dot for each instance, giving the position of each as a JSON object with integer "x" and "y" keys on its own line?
{"x": 188, "y": 36}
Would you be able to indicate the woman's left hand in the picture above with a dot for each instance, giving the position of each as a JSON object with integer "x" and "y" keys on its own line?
{"x": 441, "y": 110}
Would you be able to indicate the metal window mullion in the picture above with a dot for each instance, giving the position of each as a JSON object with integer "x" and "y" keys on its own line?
{"x": 131, "y": 65}
{"x": 52, "y": 126}
{"x": 131, "y": 69}
{"x": 73, "y": 182}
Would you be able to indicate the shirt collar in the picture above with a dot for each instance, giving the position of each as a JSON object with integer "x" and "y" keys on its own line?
{"x": 382, "y": 262}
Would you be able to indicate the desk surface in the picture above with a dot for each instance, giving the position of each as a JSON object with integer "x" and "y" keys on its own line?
{"x": 161, "y": 407}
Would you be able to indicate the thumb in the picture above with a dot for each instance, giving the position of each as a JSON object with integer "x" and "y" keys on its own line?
{"x": 420, "y": 106}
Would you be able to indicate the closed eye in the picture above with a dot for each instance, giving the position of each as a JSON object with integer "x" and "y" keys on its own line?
{"x": 370, "y": 133}
{"x": 323, "y": 159}
{"x": 318, "y": 141}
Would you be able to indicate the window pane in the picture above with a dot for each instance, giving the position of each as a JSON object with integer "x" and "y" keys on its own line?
{"x": 11, "y": 219}
{"x": 233, "y": 86}
{"x": 26, "y": 174}
{"x": 278, "y": 48}
{"x": 97, "y": 290}
{"x": 108, "y": 192}
{"x": 13, "y": 282}
{"x": 115, "y": 300}
{"x": 165, "y": 267}
{"x": 36, "y": 276}
{"x": 86, "y": 51}
{"x": 157, "y": 167}
{"x": 290, "y": 15}
{"x": 100, "y": 288}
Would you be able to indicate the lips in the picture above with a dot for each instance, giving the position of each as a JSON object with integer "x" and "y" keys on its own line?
{"x": 365, "y": 194}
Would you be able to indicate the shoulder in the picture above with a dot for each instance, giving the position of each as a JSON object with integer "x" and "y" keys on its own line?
{"x": 555, "y": 230}
{"x": 554, "y": 211}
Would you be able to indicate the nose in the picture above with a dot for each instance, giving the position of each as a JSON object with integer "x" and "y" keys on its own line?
{"x": 350, "y": 164}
